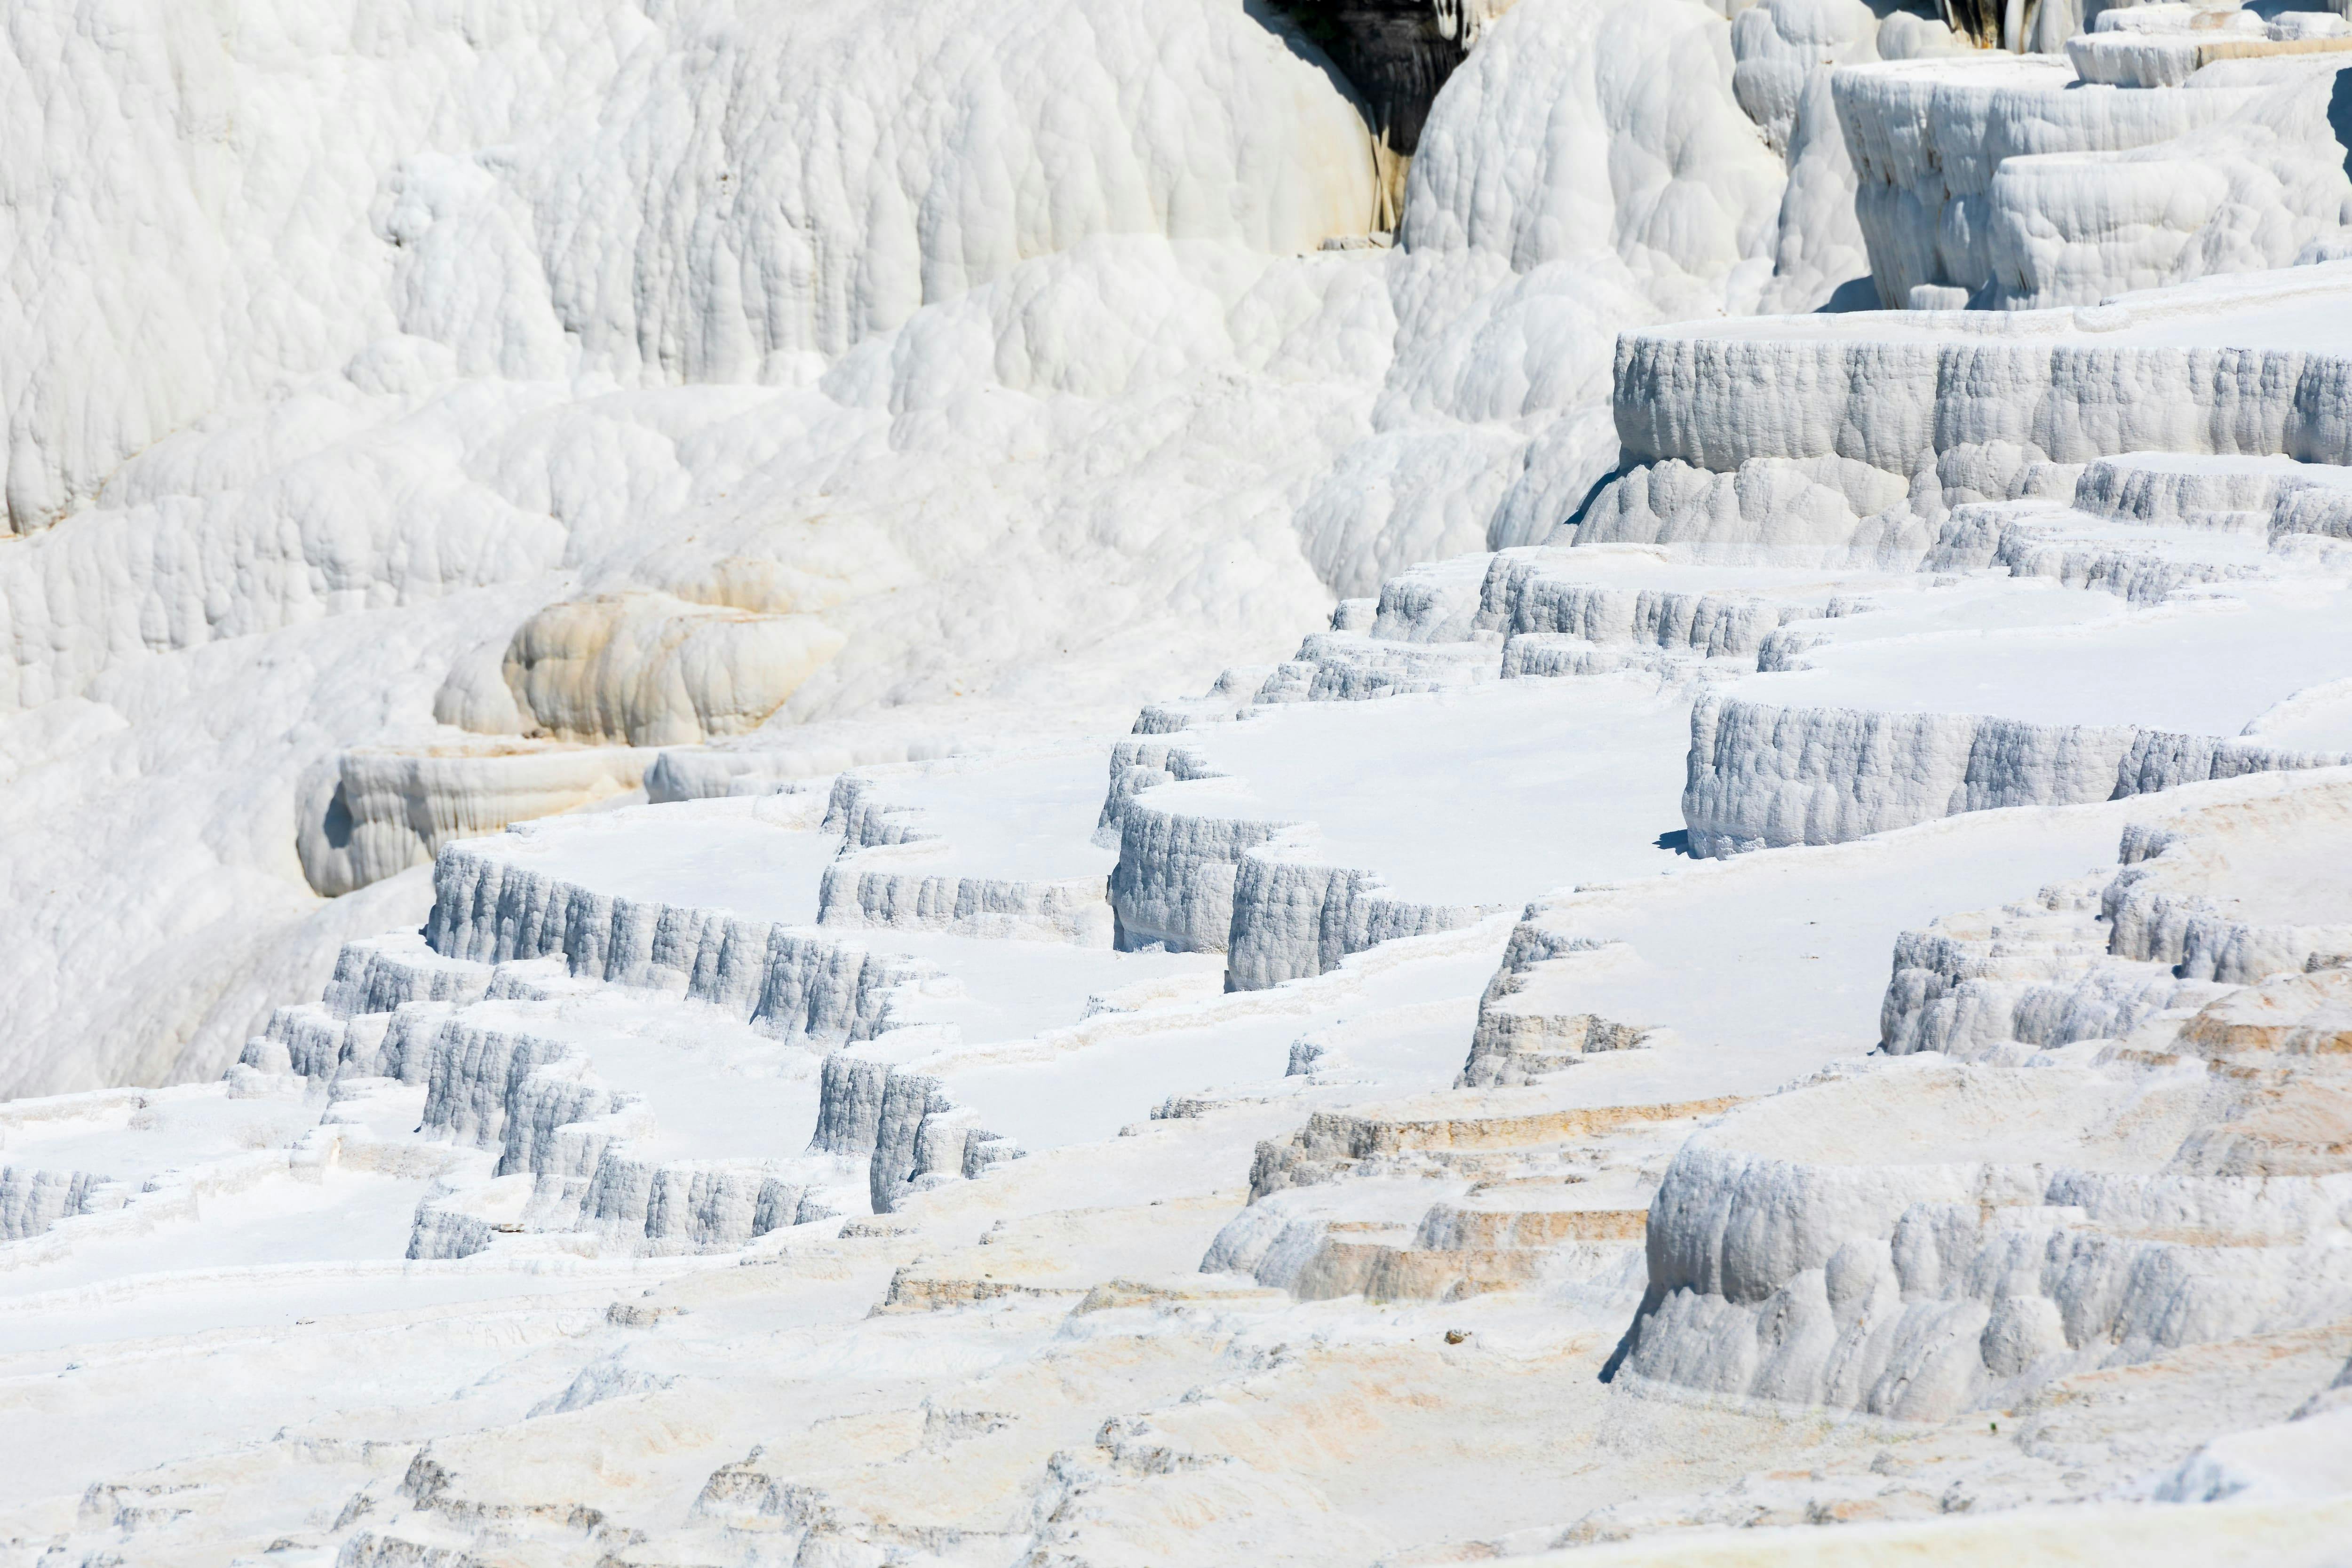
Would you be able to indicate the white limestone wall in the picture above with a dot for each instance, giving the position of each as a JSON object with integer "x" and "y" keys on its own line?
{"x": 2299, "y": 510}
{"x": 901, "y": 1121}
{"x": 2197, "y": 906}
{"x": 1197, "y": 882}
{"x": 32, "y": 1201}
{"x": 785, "y": 983}
{"x": 1520, "y": 597}
{"x": 688, "y": 1206}
{"x": 862, "y": 896}
{"x": 2183, "y": 900}
{"x": 376, "y": 1016}
{"x": 863, "y": 891}
{"x": 1846, "y": 441}
{"x": 1177, "y": 875}
{"x": 2005, "y": 180}
{"x": 1923, "y": 1290}
{"x": 1761, "y": 775}
{"x": 538, "y": 1103}
{"x": 1977, "y": 537}
{"x": 380, "y": 973}
{"x": 540, "y": 1111}
{"x": 1927, "y": 137}
{"x": 1820, "y": 509}
{"x": 2027, "y": 978}
{"x": 1349, "y": 667}
{"x": 1436, "y": 628}
{"x": 1147, "y": 762}
{"x": 1292, "y": 919}
{"x": 2034, "y": 388}
{"x": 1952, "y": 1229}
{"x": 1788, "y": 54}
{"x": 1432, "y": 602}
{"x": 864, "y": 816}
{"x": 505, "y": 1089}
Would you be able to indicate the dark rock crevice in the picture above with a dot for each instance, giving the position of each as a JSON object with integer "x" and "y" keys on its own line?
{"x": 1392, "y": 51}
{"x": 1396, "y": 53}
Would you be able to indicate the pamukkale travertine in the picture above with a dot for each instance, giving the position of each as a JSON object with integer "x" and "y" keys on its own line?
{"x": 1308, "y": 781}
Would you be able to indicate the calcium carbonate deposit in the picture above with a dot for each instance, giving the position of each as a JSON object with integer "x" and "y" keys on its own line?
{"x": 1175, "y": 783}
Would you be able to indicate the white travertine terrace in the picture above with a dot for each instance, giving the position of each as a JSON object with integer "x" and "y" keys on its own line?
{"x": 597, "y": 375}
{"x": 625, "y": 947}
{"x": 2027, "y": 181}
{"x": 2034, "y": 1208}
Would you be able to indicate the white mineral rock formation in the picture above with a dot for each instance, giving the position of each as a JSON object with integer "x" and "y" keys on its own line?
{"x": 2015, "y": 182}
{"x": 1089, "y": 782}
{"x": 388, "y": 811}
{"x": 2084, "y": 1191}
{"x": 623, "y": 378}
